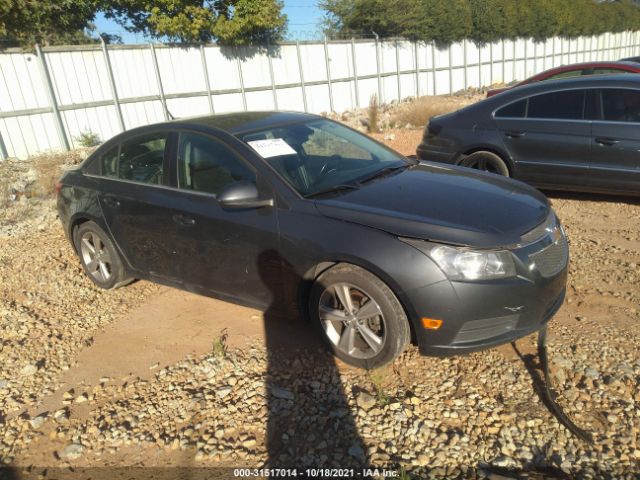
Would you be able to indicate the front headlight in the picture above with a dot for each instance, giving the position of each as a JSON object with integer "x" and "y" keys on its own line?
{"x": 465, "y": 264}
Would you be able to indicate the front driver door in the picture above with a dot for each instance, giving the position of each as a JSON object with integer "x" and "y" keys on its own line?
{"x": 231, "y": 252}
{"x": 616, "y": 142}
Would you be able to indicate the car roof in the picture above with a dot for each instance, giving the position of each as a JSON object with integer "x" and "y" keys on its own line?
{"x": 241, "y": 122}
{"x": 599, "y": 64}
{"x": 588, "y": 81}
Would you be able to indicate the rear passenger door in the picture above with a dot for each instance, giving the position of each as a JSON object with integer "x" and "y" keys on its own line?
{"x": 616, "y": 141}
{"x": 134, "y": 203}
{"x": 548, "y": 137}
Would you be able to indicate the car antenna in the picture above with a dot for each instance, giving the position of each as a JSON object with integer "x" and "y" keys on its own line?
{"x": 171, "y": 117}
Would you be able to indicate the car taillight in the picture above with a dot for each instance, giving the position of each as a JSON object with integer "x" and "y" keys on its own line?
{"x": 433, "y": 129}
{"x": 58, "y": 187}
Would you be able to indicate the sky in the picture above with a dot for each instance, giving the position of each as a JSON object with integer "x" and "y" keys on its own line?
{"x": 303, "y": 16}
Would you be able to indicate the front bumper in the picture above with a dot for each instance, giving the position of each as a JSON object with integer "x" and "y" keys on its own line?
{"x": 481, "y": 315}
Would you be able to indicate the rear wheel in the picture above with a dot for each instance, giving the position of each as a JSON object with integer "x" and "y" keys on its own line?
{"x": 100, "y": 260}
{"x": 359, "y": 317}
{"x": 486, "y": 161}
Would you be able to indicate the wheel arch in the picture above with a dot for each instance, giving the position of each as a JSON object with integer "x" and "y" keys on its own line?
{"x": 318, "y": 269}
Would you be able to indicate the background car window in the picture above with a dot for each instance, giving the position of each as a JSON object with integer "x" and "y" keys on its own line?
{"x": 513, "y": 110}
{"x": 109, "y": 162}
{"x": 141, "y": 159}
{"x": 607, "y": 71}
{"x": 206, "y": 165}
{"x": 561, "y": 105}
{"x": 569, "y": 74}
{"x": 621, "y": 105}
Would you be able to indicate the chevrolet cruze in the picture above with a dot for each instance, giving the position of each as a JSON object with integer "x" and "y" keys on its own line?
{"x": 275, "y": 209}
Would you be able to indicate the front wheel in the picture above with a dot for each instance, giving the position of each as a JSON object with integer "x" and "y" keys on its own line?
{"x": 359, "y": 317}
{"x": 486, "y": 161}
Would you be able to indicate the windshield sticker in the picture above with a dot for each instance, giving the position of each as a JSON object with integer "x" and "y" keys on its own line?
{"x": 272, "y": 147}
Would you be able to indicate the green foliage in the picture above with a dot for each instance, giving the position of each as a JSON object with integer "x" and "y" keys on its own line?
{"x": 232, "y": 22}
{"x": 483, "y": 21}
{"x": 49, "y": 22}
{"x": 88, "y": 139}
{"x": 235, "y": 22}
{"x": 219, "y": 347}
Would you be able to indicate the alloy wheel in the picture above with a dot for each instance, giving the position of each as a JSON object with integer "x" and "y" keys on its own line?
{"x": 352, "y": 320}
{"x": 95, "y": 256}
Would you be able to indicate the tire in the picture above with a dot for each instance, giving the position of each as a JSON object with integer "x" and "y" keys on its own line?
{"x": 486, "y": 161}
{"x": 353, "y": 342}
{"x": 107, "y": 270}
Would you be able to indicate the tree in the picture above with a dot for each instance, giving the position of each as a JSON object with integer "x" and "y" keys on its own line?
{"x": 25, "y": 22}
{"x": 238, "y": 22}
{"x": 483, "y": 21}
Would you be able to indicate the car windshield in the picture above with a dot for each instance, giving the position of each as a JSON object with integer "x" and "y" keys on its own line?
{"x": 322, "y": 156}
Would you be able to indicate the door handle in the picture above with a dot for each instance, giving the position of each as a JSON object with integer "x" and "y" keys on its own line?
{"x": 184, "y": 220}
{"x": 606, "y": 141}
{"x": 111, "y": 201}
{"x": 514, "y": 134}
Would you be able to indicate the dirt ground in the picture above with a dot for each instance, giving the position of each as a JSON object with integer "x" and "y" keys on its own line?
{"x": 60, "y": 334}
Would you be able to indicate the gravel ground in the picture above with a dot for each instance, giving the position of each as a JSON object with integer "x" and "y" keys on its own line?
{"x": 477, "y": 416}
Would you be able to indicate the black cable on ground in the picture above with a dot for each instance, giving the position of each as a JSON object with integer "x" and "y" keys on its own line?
{"x": 550, "y": 399}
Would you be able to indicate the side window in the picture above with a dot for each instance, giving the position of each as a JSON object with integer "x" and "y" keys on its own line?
{"x": 607, "y": 71}
{"x": 513, "y": 110}
{"x": 141, "y": 159}
{"x": 109, "y": 162}
{"x": 206, "y": 165}
{"x": 621, "y": 105}
{"x": 591, "y": 105}
{"x": 569, "y": 74}
{"x": 567, "y": 105}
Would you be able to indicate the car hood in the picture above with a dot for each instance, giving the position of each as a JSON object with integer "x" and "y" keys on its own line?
{"x": 444, "y": 204}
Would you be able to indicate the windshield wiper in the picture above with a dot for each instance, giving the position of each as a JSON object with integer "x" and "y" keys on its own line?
{"x": 334, "y": 188}
{"x": 383, "y": 172}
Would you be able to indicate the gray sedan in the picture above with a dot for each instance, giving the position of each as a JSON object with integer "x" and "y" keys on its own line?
{"x": 578, "y": 134}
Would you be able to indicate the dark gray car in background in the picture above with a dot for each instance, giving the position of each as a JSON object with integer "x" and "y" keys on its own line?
{"x": 578, "y": 134}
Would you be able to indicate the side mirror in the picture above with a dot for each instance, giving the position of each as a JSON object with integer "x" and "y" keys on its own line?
{"x": 242, "y": 195}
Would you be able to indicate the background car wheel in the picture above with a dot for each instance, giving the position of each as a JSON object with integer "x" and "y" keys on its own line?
{"x": 99, "y": 258}
{"x": 486, "y": 161}
{"x": 358, "y": 316}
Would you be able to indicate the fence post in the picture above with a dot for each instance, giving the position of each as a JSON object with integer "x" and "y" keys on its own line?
{"x": 3, "y": 149}
{"x": 450, "y": 70}
{"x": 491, "y": 63}
{"x": 464, "y": 56}
{"x": 504, "y": 63}
{"x": 378, "y": 68}
{"x": 300, "y": 69}
{"x": 355, "y": 70}
{"x": 112, "y": 83}
{"x": 156, "y": 68}
{"x": 526, "y": 57}
{"x": 398, "y": 71}
{"x": 327, "y": 66}
{"x": 242, "y": 90}
{"x": 273, "y": 80}
{"x": 44, "y": 70}
{"x": 207, "y": 84}
{"x": 433, "y": 66}
{"x": 415, "y": 60}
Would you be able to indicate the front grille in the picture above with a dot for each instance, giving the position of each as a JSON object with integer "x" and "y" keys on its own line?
{"x": 552, "y": 259}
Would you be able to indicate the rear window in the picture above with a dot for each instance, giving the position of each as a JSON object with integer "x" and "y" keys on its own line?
{"x": 567, "y": 105}
{"x": 621, "y": 105}
{"x": 513, "y": 110}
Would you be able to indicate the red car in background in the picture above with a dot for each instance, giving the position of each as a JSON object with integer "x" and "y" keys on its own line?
{"x": 576, "y": 70}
